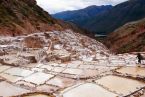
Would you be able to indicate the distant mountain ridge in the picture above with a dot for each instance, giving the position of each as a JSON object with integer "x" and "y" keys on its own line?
{"x": 119, "y": 15}
{"x": 107, "y": 21}
{"x": 76, "y": 16}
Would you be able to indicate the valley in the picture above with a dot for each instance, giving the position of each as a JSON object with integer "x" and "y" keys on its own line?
{"x": 41, "y": 56}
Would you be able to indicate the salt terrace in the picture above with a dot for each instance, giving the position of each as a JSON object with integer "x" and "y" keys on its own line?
{"x": 67, "y": 70}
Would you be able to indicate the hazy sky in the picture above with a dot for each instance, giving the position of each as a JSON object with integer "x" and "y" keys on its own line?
{"x": 54, "y": 6}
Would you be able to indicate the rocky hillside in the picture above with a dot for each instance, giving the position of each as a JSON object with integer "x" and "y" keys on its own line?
{"x": 19, "y": 17}
{"x": 23, "y": 17}
{"x": 128, "y": 38}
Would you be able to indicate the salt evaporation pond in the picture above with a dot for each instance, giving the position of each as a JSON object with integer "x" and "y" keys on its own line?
{"x": 120, "y": 85}
{"x": 87, "y": 90}
{"x": 132, "y": 70}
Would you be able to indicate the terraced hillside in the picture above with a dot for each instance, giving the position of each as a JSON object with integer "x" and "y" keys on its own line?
{"x": 63, "y": 65}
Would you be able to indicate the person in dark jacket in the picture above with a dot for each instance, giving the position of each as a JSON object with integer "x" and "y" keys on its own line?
{"x": 139, "y": 57}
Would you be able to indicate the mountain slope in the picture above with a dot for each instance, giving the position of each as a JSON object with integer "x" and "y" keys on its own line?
{"x": 76, "y": 16}
{"x": 23, "y": 16}
{"x": 19, "y": 17}
{"x": 119, "y": 15}
{"x": 128, "y": 38}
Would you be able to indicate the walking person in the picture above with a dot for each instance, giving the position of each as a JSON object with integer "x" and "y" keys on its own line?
{"x": 139, "y": 57}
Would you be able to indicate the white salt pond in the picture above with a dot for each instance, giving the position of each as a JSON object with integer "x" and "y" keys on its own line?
{"x": 18, "y": 72}
{"x": 61, "y": 82}
{"x": 10, "y": 78}
{"x": 120, "y": 85}
{"x": 3, "y": 68}
{"x": 87, "y": 90}
{"x": 38, "y": 78}
{"x": 8, "y": 90}
{"x": 132, "y": 70}
{"x": 73, "y": 71}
